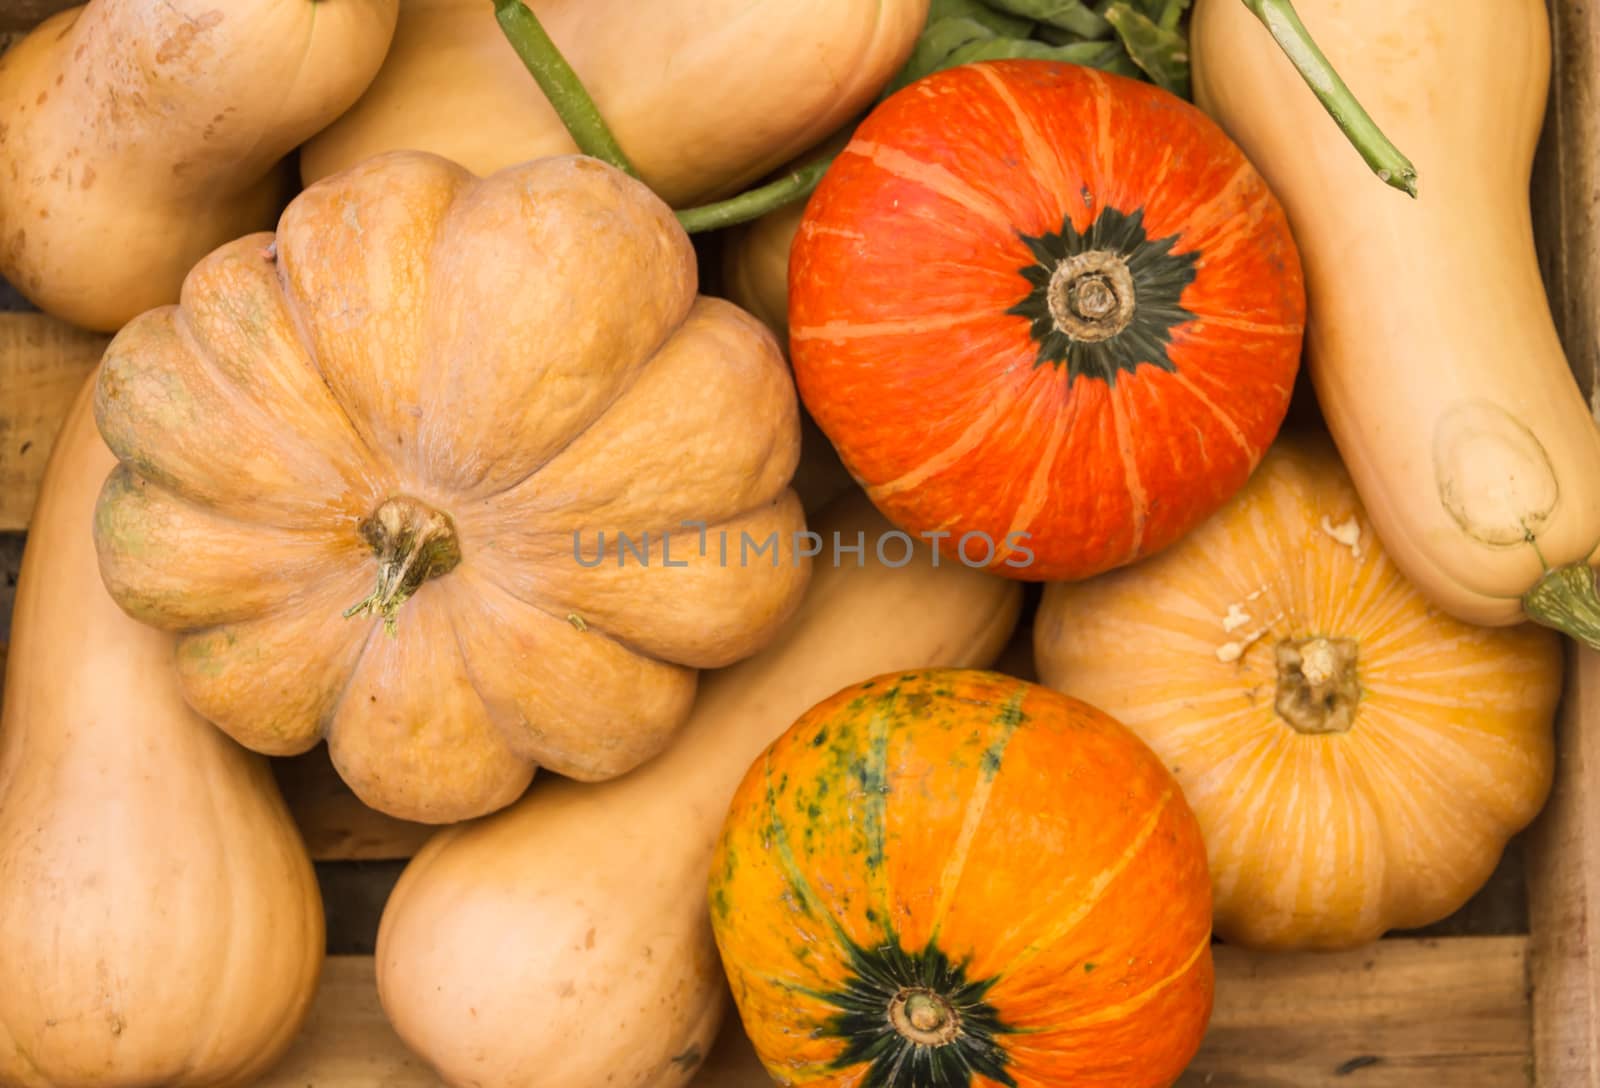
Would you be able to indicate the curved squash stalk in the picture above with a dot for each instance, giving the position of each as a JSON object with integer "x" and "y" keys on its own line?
{"x": 1280, "y": 18}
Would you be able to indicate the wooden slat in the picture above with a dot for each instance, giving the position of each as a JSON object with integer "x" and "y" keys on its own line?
{"x": 334, "y": 823}
{"x": 1566, "y": 190}
{"x": 1564, "y": 894}
{"x": 1564, "y": 847}
{"x": 1400, "y": 1013}
{"x": 43, "y": 363}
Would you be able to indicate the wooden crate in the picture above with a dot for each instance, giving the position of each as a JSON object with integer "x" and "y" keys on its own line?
{"x": 1462, "y": 1011}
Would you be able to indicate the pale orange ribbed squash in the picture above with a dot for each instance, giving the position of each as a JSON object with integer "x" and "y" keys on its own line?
{"x": 1357, "y": 758}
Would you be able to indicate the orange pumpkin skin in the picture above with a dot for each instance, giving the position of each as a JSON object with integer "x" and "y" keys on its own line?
{"x": 1049, "y": 306}
{"x": 516, "y": 365}
{"x": 959, "y": 878}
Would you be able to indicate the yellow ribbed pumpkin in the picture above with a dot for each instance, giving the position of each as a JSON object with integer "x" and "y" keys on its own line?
{"x": 1357, "y": 759}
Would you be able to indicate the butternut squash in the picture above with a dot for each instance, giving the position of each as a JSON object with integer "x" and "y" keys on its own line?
{"x": 566, "y": 941}
{"x": 1429, "y": 339}
{"x": 705, "y": 96}
{"x": 159, "y": 917}
{"x": 136, "y": 136}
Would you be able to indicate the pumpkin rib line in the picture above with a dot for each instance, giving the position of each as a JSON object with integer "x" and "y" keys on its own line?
{"x": 1137, "y": 498}
{"x": 1037, "y": 494}
{"x": 633, "y": 376}
{"x": 1036, "y": 149}
{"x": 1229, "y": 424}
{"x": 935, "y": 179}
{"x": 533, "y": 601}
{"x": 977, "y": 804}
{"x": 256, "y": 418}
{"x": 300, "y": 324}
{"x": 1098, "y": 887}
{"x": 472, "y": 682}
{"x": 784, "y": 849}
{"x": 971, "y": 437}
{"x": 839, "y": 331}
{"x": 485, "y": 571}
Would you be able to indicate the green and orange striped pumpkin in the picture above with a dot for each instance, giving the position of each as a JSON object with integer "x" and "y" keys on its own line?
{"x": 956, "y": 878}
{"x": 1049, "y": 316}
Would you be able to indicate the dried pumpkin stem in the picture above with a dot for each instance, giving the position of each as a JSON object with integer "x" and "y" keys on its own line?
{"x": 1566, "y": 599}
{"x": 560, "y": 84}
{"x": 924, "y": 1017}
{"x": 1091, "y": 296}
{"x": 1295, "y": 40}
{"x": 412, "y": 542}
{"x": 1318, "y": 688}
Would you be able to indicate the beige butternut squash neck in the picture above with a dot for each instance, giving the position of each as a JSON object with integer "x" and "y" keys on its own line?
{"x": 160, "y": 922}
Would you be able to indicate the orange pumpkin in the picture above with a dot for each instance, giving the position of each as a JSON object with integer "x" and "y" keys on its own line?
{"x": 1049, "y": 316}
{"x": 415, "y": 473}
{"x": 1357, "y": 758}
{"x": 952, "y": 877}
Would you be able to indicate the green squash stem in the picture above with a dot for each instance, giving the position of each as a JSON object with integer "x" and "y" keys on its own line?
{"x": 560, "y": 84}
{"x": 1566, "y": 599}
{"x": 1295, "y": 40}
{"x": 577, "y": 111}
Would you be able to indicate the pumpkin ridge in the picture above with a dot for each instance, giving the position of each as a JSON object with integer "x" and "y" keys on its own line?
{"x": 934, "y": 178}
{"x": 486, "y": 571}
{"x": 255, "y": 413}
{"x": 300, "y": 326}
{"x": 1099, "y": 886}
{"x": 701, "y": 309}
{"x": 1139, "y": 1000}
{"x": 783, "y": 849}
{"x": 1010, "y": 717}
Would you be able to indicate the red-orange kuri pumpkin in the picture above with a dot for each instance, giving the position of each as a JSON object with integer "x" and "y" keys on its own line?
{"x": 1050, "y": 312}
{"x": 952, "y": 877}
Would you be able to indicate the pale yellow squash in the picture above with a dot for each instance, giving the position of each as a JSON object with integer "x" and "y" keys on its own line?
{"x": 138, "y": 135}
{"x": 705, "y": 96}
{"x": 1356, "y": 758}
{"x": 159, "y": 919}
{"x": 566, "y": 941}
{"x": 1429, "y": 337}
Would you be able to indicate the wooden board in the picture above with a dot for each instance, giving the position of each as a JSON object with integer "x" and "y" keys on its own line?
{"x": 43, "y": 363}
{"x": 335, "y": 824}
{"x": 1564, "y": 848}
{"x": 1566, "y": 188}
{"x": 1564, "y": 895}
{"x": 1449, "y": 1012}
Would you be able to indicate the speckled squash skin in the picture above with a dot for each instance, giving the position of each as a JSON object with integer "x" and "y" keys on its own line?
{"x": 1357, "y": 758}
{"x": 955, "y": 877}
{"x": 1047, "y": 306}
{"x": 379, "y": 470}
{"x": 136, "y": 136}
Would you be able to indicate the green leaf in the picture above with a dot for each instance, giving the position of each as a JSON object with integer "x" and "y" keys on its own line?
{"x": 1089, "y": 54}
{"x": 1073, "y": 15}
{"x": 1056, "y": 36}
{"x": 1003, "y": 24}
{"x": 933, "y": 49}
{"x": 1162, "y": 54}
